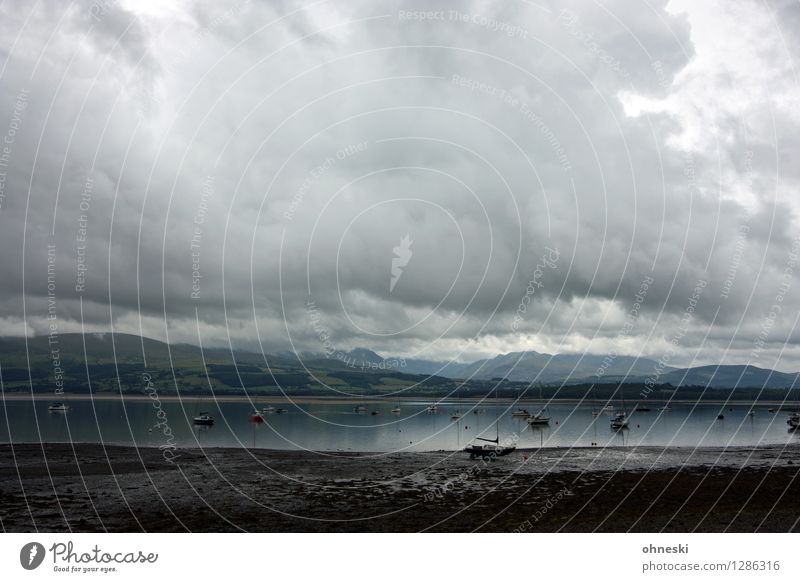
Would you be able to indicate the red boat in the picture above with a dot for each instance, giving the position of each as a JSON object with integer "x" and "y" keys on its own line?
{"x": 256, "y": 417}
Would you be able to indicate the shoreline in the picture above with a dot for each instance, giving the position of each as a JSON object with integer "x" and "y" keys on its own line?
{"x": 133, "y": 397}
{"x": 643, "y": 449}
{"x": 90, "y": 488}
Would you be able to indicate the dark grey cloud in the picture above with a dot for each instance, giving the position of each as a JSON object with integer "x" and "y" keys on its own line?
{"x": 282, "y": 151}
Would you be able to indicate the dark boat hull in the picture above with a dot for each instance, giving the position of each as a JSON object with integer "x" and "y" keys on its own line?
{"x": 489, "y": 452}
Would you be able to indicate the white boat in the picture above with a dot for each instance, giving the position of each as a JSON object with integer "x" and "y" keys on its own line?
{"x": 539, "y": 419}
{"x": 520, "y": 413}
{"x": 396, "y": 410}
{"x": 58, "y": 407}
{"x": 433, "y": 408}
{"x": 619, "y": 421}
{"x": 203, "y": 419}
{"x": 360, "y": 409}
{"x": 268, "y": 409}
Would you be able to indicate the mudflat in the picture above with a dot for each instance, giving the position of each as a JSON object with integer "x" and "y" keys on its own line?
{"x": 91, "y": 487}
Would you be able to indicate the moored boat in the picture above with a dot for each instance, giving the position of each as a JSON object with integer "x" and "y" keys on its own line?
{"x": 619, "y": 421}
{"x": 203, "y": 419}
{"x": 58, "y": 407}
{"x": 539, "y": 419}
{"x": 490, "y": 449}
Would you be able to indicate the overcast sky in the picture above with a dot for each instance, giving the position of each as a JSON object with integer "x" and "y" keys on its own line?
{"x": 480, "y": 178}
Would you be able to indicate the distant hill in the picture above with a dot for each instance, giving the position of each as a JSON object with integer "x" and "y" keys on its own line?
{"x": 123, "y": 358}
{"x": 533, "y": 366}
{"x": 733, "y": 376}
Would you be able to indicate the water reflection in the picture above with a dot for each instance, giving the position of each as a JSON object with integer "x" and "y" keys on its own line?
{"x": 338, "y": 427}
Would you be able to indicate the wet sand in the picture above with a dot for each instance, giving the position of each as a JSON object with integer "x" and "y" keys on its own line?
{"x": 88, "y": 487}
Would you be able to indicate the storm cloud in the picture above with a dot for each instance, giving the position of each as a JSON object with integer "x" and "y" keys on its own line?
{"x": 435, "y": 180}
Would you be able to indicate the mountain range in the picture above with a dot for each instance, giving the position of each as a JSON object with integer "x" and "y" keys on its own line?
{"x": 127, "y": 355}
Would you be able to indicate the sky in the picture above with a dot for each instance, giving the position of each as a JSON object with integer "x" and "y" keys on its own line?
{"x": 436, "y": 180}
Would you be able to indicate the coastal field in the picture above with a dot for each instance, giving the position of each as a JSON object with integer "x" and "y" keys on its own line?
{"x": 92, "y": 487}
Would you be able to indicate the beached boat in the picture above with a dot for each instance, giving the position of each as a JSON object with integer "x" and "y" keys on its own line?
{"x": 58, "y": 407}
{"x": 203, "y": 419}
{"x": 490, "y": 448}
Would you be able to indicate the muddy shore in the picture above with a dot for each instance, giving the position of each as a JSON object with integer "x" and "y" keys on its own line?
{"x": 89, "y": 487}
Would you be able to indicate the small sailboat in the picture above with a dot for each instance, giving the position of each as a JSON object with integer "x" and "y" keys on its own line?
{"x": 619, "y": 421}
{"x": 58, "y": 407}
{"x": 457, "y": 414}
{"x": 203, "y": 419}
{"x": 490, "y": 447}
{"x": 520, "y": 413}
{"x": 539, "y": 419}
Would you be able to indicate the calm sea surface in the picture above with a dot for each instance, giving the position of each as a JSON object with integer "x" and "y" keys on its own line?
{"x": 337, "y": 427}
